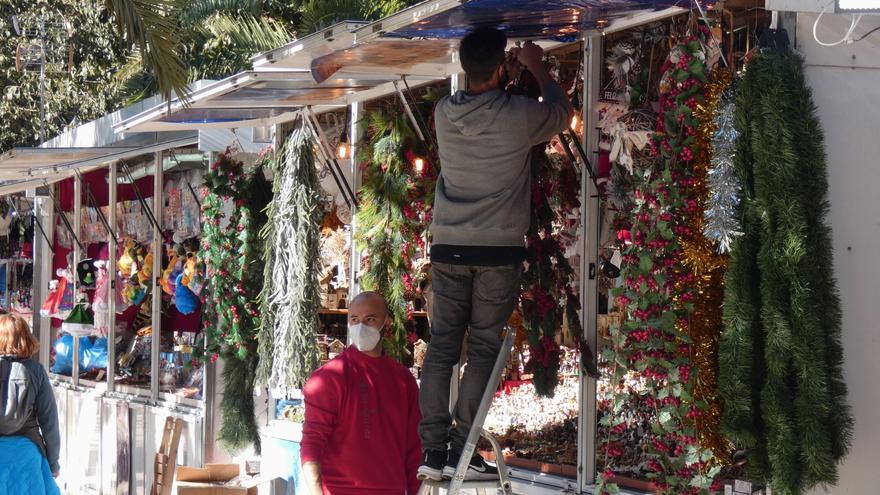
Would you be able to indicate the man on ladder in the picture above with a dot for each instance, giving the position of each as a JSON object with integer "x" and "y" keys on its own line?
{"x": 481, "y": 216}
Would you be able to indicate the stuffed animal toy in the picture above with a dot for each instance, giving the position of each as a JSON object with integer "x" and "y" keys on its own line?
{"x": 169, "y": 276}
{"x": 187, "y": 302}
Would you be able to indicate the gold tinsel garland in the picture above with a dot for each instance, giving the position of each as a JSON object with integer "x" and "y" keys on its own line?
{"x": 700, "y": 257}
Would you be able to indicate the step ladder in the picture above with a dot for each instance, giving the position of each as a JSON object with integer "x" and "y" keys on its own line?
{"x": 457, "y": 483}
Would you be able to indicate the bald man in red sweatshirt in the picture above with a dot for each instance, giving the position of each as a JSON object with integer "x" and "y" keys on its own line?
{"x": 362, "y": 414}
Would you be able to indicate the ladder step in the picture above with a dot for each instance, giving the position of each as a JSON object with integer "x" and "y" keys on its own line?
{"x": 496, "y": 484}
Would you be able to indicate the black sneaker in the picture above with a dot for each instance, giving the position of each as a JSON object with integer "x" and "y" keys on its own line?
{"x": 478, "y": 470}
{"x": 432, "y": 465}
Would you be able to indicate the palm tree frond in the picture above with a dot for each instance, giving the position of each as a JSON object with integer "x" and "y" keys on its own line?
{"x": 196, "y": 11}
{"x": 133, "y": 66}
{"x": 151, "y": 26}
{"x": 247, "y": 33}
{"x": 318, "y": 14}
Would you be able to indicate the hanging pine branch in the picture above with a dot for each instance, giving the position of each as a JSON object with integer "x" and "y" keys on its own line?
{"x": 393, "y": 216}
{"x": 782, "y": 312}
{"x": 290, "y": 298}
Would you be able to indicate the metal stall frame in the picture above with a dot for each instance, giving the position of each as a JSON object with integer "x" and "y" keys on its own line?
{"x": 587, "y": 419}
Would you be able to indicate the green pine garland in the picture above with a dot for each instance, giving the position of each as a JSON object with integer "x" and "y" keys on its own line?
{"x": 781, "y": 357}
{"x": 232, "y": 258}
{"x": 290, "y": 297}
{"x": 390, "y": 228}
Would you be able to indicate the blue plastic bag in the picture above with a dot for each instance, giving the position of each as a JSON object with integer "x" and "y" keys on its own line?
{"x": 95, "y": 357}
{"x": 64, "y": 353}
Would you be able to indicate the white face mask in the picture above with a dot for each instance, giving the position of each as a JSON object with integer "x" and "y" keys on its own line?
{"x": 364, "y": 337}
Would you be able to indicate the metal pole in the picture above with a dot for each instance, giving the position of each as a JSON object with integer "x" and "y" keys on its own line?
{"x": 77, "y": 254}
{"x": 158, "y": 246}
{"x": 353, "y": 283}
{"x": 43, "y": 207}
{"x": 587, "y": 419}
{"x": 409, "y": 112}
{"x": 113, "y": 245}
{"x": 42, "y": 79}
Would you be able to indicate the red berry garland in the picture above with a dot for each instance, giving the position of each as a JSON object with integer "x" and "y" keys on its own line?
{"x": 657, "y": 291}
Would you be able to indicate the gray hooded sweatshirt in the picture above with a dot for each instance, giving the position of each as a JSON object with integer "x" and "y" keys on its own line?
{"x": 483, "y": 192}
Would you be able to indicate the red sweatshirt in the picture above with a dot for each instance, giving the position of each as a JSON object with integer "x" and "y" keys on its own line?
{"x": 361, "y": 425}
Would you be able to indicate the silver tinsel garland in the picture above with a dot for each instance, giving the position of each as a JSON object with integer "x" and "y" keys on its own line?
{"x": 722, "y": 223}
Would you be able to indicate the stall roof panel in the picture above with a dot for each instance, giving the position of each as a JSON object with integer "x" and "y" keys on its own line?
{"x": 25, "y": 168}
{"x": 19, "y": 185}
{"x": 261, "y": 98}
{"x": 527, "y": 19}
{"x": 410, "y": 58}
{"x": 299, "y": 53}
{"x": 423, "y": 39}
{"x": 20, "y": 163}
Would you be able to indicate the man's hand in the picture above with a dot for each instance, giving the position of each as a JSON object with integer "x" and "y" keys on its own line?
{"x": 512, "y": 64}
{"x": 532, "y": 56}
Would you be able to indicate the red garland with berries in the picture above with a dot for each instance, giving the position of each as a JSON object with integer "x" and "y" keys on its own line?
{"x": 232, "y": 256}
{"x": 657, "y": 292}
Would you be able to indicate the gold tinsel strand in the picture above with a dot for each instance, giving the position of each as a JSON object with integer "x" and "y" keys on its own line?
{"x": 700, "y": 257}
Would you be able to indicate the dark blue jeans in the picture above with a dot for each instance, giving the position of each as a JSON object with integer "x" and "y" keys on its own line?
{"x": 472, "y": 302}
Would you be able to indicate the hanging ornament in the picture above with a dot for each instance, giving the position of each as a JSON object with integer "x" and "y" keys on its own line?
{"x": 722, "y": 223}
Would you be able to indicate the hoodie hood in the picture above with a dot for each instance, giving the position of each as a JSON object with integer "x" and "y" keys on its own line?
{"x": 473, "y": 114}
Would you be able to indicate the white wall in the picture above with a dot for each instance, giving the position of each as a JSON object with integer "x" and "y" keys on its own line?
{"x": 846, "y": 88}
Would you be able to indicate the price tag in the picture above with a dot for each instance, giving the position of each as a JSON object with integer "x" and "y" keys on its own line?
{"x": 744, "y": 487}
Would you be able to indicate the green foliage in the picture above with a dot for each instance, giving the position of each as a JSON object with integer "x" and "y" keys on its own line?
{"x": 232, "y": 257}
{"x": 195, "y": 11}
{"x": 319, "y": 14}
{"x": 391, "y": 199}
{"x": 291, "y": 294}
{"x": 151, "y": 26}
{"x": 547, "y": 296}
{"x": 217, "y": 39}
{"x": 781, "y": 357}
{"x": 74, "y": 94}
{"x": 239, "y": 427}
{"x": 654, "y": 342}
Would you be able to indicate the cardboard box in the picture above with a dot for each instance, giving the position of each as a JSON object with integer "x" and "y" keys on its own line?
{"x": 213, "y": 479}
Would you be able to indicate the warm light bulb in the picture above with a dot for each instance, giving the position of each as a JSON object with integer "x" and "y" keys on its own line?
{"x": 541, "y": 99}
{"x": 344, "y": 148}
{"x": 574, "y": 122}
{"x": 419, "y": 164}
{"x": 342, "y": 151}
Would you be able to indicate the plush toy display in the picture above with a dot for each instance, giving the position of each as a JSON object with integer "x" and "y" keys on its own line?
{"x": 101, "y": 305}
{"x": 80, "y": 323}
{"x": 86, "y": 272}
{"x": 187, "y": 302}
{"x": 169, "y": 276}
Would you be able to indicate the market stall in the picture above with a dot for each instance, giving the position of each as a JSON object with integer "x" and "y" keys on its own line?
{"x": 648, "y": 81}
{"x": 121, "y": 215}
